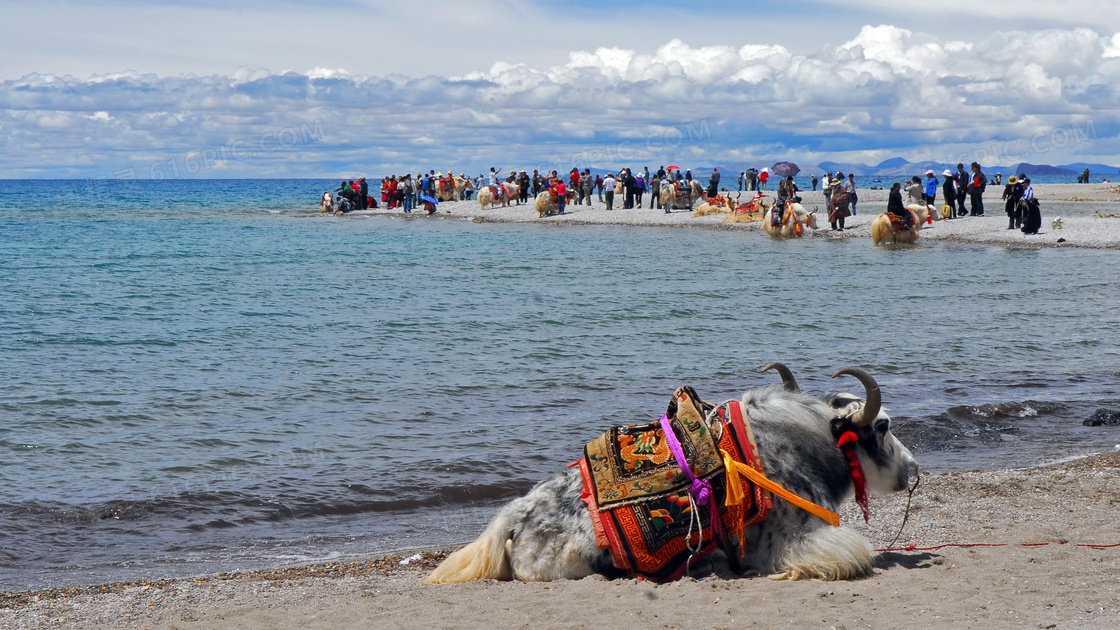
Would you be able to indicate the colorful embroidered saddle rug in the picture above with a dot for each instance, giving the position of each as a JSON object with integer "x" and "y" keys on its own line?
{"x": 638, "y": 497}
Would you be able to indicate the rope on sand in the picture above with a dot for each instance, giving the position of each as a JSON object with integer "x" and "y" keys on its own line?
{"x": 914, "y": 547}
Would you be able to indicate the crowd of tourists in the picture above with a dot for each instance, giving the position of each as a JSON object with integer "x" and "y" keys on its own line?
{"x": 627, "y": 189}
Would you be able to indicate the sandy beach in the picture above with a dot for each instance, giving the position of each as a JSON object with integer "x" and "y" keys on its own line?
{"x": 1033, "y": 548}
{"x": 1090, "y": 217}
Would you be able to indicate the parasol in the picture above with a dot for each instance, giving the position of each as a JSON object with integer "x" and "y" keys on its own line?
{"x": 785, "y": 169}
{"x": 429, "y": 200}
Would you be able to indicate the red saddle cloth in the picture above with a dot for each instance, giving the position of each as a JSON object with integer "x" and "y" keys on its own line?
{"x": 897, "y": 222}
{"x": 638, "y": 498}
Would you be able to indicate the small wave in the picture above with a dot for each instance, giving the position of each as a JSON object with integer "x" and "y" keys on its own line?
{"x": 1008, "y": 410}
{"x": 221, "y": 509}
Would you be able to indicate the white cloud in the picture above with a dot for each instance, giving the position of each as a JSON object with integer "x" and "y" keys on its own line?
{"x": 886, "y": 89}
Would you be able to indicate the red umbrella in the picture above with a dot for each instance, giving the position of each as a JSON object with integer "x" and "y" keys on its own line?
{"x": 673, "y": 167}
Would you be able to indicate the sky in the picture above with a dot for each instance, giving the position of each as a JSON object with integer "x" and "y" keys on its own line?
{"x": 290, "y": 88}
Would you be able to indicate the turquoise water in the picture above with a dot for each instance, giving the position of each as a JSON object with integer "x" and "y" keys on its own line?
{"x": 202, "y": 376}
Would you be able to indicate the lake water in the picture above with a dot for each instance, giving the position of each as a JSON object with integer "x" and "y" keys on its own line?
{"x": 201, "y": 376}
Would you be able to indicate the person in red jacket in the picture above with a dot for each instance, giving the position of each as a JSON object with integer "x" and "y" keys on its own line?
{"x": 561, "y": 195}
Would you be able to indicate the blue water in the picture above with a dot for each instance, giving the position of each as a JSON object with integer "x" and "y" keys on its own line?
{"x": 206, "y": 375}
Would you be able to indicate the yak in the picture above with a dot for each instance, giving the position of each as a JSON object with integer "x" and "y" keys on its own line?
{"x": 692, "y": 193}
{"x": 883, "y": 231}
{"x": 549, "y": 534}
{"x": 486, "y": 196}
{"x": 793, "y": 220}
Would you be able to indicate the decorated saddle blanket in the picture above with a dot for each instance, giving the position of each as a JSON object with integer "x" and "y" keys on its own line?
{"x": 639, "y": 499}
{"x": 446, "y": 184}
{"x": 898, "y": 224}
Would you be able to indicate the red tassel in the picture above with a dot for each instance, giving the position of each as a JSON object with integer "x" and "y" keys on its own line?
{"x": 847, "y": 443}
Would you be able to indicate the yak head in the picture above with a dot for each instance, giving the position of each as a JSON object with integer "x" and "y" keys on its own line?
{"x": 887, "y": 464}
{"x": 811, "y": 219}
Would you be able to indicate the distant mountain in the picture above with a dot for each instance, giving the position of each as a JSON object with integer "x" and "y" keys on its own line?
{"x": 1094, "y": 169}
{"x": 891, "y": 164}
{"x": 1041, "y": 169}
{"x": 860, "y": 170}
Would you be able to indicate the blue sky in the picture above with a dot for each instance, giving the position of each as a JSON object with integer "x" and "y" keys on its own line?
{"x": 290, "y": 88}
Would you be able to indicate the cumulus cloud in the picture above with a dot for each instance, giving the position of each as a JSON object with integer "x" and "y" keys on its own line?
{"x": 885, "y": 91}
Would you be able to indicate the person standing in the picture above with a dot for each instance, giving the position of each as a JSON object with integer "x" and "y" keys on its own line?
{"x": 628, "y": 183}
{"x": 655, "y": 193}
{"x": 949, "y": 191}
{"x": 599, "y": 187}
{"x": 523, "y": 187}
{"x": 609, "y": 185}
{"x": 561, "y": 194}
{"x": 976, "y": 190}
{"x": 827, "y": 189}
{"x": 713, "y": 183}
{"x": 363, "y": 192}
{"x": 1012, "y": 194}
{"x": 931, "y": 188}
{"x": 763, "y": 177}
{"x": 743, "y": 176}
{"x": 813, "y": 180}
{"x": 587, "y": 185}
{"x": 1085, "y": 176}
{"x": 573, "y": 185}
{"x": 409, "y": 193}
{"x": 838, "y": 205}
{"x": 962, "y": 189}
{"x": 1032, "y": 218}
{"x": 639, "y": 190}
{"x": 850, "y": 188}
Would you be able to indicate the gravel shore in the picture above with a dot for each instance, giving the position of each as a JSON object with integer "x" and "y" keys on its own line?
{"x": 1034, "y": 548}
{"x": 1090, "y": 217}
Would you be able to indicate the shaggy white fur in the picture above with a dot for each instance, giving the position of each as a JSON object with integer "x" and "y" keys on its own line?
{"x": 827, "y": 553}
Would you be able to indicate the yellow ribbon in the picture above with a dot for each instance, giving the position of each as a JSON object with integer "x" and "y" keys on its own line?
{"x": 736, "y": 495}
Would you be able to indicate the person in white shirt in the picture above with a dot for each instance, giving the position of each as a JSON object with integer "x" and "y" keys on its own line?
{"x": 609, "y": 184}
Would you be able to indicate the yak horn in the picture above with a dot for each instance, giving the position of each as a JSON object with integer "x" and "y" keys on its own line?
{"x": 874, "y": 397}
{"x": 788, "y": 381}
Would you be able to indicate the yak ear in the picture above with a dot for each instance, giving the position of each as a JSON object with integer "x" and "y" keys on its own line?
{"x": 840, "y": 426}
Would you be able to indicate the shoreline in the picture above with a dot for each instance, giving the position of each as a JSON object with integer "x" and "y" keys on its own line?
{"x": 1037, "y": 546}
{"x": 1090, "y": 218}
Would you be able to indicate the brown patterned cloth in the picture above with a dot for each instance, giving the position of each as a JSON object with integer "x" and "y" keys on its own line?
{"x": 638, "y": 498}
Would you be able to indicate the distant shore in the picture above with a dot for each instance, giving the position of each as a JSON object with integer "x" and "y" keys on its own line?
{"x": 1084, "y": 209}
{"x": 1037, "y": 548}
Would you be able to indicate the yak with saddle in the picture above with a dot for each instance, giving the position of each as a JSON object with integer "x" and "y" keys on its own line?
{"x": 759, "y": 479}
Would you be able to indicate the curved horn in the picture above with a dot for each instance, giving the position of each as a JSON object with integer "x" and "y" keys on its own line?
{"x": 874, "y": 397}
{"x": 788, "y": 381}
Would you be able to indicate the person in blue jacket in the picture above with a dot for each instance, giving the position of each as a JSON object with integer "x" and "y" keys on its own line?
{"x": 931, "y": 187}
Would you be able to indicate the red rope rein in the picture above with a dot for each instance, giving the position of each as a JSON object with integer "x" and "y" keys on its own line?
{"x": 914, "y": 547}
